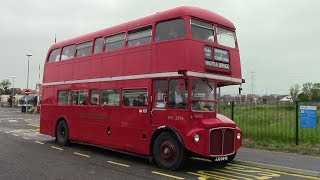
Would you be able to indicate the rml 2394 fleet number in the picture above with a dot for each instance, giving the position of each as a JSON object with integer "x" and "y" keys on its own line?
{"x": 175, "y": 118}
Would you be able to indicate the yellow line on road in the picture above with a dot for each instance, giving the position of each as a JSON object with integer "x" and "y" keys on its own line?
{"x": 208, "y": 176}
{"x": 15, "y": 134}
{"x": 279, "y": 172}
{"x": 120, "y": 164}
{"x": 34, "y": 125}
{"x": 167, "y": 175}
{"x": 233, "y": 171}
{"x": 214, "y": 172}
{"x": 57, "y": 148}
{"x": 25, "y": 138}
{"x": 39, "y": 142}
{"x": 80, "y": 154}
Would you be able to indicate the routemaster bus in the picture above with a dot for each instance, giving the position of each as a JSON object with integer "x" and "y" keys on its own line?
{"x": 146, "y": 87}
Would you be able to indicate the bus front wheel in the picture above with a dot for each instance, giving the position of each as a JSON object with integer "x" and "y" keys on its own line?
{"x": 168, "y": 152}
{"x": 62, "y": 133}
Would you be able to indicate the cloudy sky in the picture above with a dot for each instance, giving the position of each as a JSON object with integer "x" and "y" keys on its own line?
{"x": 279, "y": 41}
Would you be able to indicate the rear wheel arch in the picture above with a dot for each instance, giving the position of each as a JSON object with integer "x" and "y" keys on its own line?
{"x": 62, "y": 118}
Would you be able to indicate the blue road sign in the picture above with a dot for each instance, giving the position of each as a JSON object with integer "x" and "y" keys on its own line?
{"x": 308, "y": 116}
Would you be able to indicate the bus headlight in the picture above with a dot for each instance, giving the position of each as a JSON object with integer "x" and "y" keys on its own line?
{"x": 196, "y": 138}
{"x": 238, "y": 135}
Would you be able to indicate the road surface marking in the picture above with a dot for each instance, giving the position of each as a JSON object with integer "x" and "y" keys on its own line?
{"x": 209, "y": 176}
{"x": 8, "y": 132}
{"x": 25, "y": 138}
{"x": 120, "y": 164}
{"x": 261, "y": 173}
{"x": 0, "y": 130}
{"x": 167, "y": 175}
{"x": 15, "y": 135}
{"x": 278, "y": 172}
{"x": 80, "y": 154}
{"x": 214, "y": 172}
{"x": 12, "y": 121}
{"x": 55, "y": 147}
{"x": 265, "y": 175}
{"x": 39, "y": 142}
{"x": 34, "y": 125}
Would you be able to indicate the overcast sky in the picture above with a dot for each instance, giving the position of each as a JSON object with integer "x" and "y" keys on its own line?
{"x": 278, "y": 39}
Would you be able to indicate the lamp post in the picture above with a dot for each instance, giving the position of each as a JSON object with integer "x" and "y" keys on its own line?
{"x": 13, "y": 91}
{"x": 28, "y": 55}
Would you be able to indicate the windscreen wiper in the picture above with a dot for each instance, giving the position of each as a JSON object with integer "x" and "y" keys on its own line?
{"x": 207, "y": 82}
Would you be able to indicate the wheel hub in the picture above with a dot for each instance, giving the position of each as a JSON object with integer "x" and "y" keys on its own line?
{"x": 167, "y": 151}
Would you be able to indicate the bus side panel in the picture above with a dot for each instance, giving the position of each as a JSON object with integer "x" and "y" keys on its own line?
{"x": 170, "y": 57}
{"x": 47, "y": 114}
{"x": 137, "y": 60}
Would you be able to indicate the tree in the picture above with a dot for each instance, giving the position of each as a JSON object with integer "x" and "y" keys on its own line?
{"x": 307, "y": 90}
{"x": 4, "y": 85}
{"x": 294, "y": 91}
{"x": 315, "y": 91}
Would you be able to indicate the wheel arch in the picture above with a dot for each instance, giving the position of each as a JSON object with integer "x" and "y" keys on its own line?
{"x": 162, "y": 129}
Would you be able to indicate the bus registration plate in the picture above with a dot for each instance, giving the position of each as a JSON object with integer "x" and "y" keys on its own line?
{"x": 222, "y": 158}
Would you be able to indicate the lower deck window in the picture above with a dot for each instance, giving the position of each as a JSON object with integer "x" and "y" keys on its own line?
{"x": 137, "y": 97}
{"x": 64, "y": 97}
{"x": 110, "y": 97}
{"x": 80, "y": 97}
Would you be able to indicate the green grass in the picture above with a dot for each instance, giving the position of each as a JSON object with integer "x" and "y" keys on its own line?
{"x": 275, "y": 122}
{"x": 272, "y": 145}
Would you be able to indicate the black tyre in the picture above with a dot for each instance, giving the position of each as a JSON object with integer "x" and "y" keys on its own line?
{"x": 62, "y": 133}
{"x": 230, "y": 158}
{"x": 168, "y": 151}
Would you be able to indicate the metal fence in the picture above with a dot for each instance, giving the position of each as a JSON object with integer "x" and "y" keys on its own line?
{"x": 278, "y": 121}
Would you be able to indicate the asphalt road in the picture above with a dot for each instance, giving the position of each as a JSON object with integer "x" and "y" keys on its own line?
{"x": 26, "y": 154}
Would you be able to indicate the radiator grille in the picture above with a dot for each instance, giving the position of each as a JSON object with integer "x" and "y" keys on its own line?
{"x": 222, "y": 141}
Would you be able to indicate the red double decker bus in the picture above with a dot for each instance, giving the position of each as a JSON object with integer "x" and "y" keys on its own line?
{"x": 147, "y": 87}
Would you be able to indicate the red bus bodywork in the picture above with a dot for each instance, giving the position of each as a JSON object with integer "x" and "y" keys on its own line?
{"x": 134, "y": 129}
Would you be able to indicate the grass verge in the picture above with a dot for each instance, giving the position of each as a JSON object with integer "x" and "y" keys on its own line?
{"x": 273, "y": 145}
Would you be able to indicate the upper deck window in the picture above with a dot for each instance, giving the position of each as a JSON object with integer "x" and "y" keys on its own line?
{"x": 140, "y": 36}
{"x": 168, "y": 30}
{"x": 201, "y": 30}
{"x": 115, "y": 42}
{"x": 226, "y": 37}
{"x": 84, "y": 49}
{"x": 98, "y": 45}
{"x": 54, "y": 55}
{"x": 68, "y": 52}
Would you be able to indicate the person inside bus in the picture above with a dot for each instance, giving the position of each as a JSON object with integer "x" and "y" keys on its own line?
{"x": 160, "y": 97}
{"x": 94, "y": 101}
{"x": 126, "y": 101}
{"x": 140, "y": 102}
{"x": 177, "y": 96}
{"x": 84, "y": 102}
